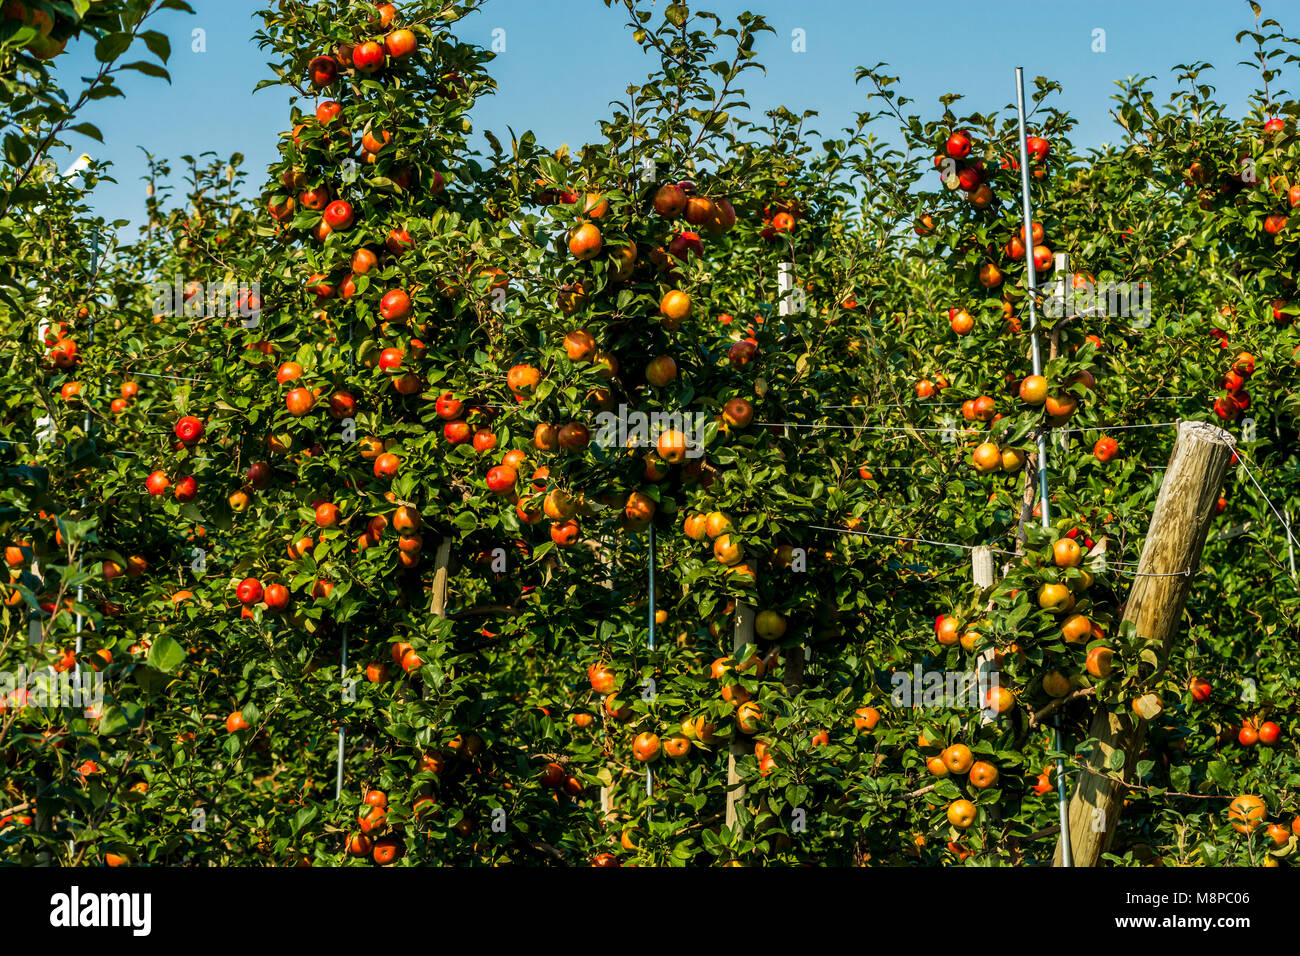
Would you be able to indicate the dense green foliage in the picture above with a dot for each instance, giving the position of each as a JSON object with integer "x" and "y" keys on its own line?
{"x": 449, "y": 618}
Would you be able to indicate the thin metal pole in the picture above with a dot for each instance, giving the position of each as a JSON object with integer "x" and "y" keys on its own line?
{"x": 652, "y": 587}
{"x": 88, "y": 426}
{"x": 343, "y": 656}
{"x": 343, "y": 676}
{"x": 1036, "y": 357}
{"x": 1290, "y": 548}
{"x": 649, "y": 774}
{"x": 1027, "y": 211}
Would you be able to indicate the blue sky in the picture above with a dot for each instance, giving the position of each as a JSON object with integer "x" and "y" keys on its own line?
{"x": 564, "y": 60}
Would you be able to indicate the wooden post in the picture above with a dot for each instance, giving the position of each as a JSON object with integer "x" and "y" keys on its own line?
{"x": 438, "y": 606}
{"x": 981, "y": 560}
{"x": 1170, "y": 556}
{"x": 438, "y": 600}
{"x": 742, "y": 635}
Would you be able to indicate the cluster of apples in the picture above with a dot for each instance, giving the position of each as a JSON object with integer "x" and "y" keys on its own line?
{"x": 1059, "y": 598}
{"x": 381, "y": 839}
{"x": 679, "y": 201}
{"x": 1236, "y": 177}
{"x": 1034, "y": 391}
{"x": 962, "y": 170}
{"x": 63, "y": 356}
{"x": 1235, "y": 399}
{"x": 1247, "y": 813}
{"x": 314, "y": 193}
{"x": 541, "y": 496}
{"x": 383, "y": 850}
{"x": 367, "y": 57}
{"x": 672, "y": 202}
{"x": 189, "y": 431}
{"x": 779, "y": 217}
{"x": 957, "y": 760}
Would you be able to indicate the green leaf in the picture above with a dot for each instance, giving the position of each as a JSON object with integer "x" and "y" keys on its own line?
{"x": 303, "y": 817}
{"x": 88, "y": 129}
{"x": 17, "y": 150}
{"x": 158, "y": 44}
{"x": 166, "y": 654}
{"x": 148, "y": 69}
{"x": 1218, "y": 772}
{"x": 111, "y": 46}
{"x": 112, "y": 722}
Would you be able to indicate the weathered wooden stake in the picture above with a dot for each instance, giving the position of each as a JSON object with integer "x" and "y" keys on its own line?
{"x": 1170, "y": 556}
{"x": 742, "y": 635}
{"x": 438, "y": 606}
{"x": 981, "y": 560}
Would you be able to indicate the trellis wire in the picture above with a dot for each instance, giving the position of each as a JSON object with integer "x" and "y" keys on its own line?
{"x": 895, "y": 537}
{"x": 860, "y": 428}
{"x": 1117, "y": 566}
{"x": 965, "y": 430}
{"x": 1286, "y": 524}
{"x": 1115, "y": 428}
{"x": 175, "y": 378}
{"x": 866, "y": 407}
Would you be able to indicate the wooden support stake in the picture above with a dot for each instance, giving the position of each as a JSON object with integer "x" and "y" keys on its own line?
{"x": 438, "y": 606}
{"x": 981, "y": 560}
{"x": 1170, "y": 556}
{"x": 742, "y": 635}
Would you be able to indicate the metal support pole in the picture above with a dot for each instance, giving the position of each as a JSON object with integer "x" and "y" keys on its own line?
{"x": 649, "y": 774}
{"x": 88, "y": 426}
{"x": 652, "y": 587}
{"x": 343, "y": 676}
{"x": 1290, "y": 548}
{"x": 1035, "y": 354}
{"x": 785, "y": 302}
{"x": 1036, "y": 357}
{"x": 343, "y": 655}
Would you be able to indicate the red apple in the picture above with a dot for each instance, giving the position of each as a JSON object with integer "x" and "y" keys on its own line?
{"x": 368, "y": 57}
{"x": 338, "y": 215}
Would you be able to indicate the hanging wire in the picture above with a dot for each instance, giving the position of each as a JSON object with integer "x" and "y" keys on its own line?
{"x": 1286, "y": 525}
{"x": 895, "y": 537}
